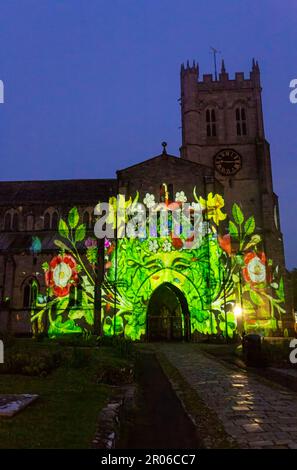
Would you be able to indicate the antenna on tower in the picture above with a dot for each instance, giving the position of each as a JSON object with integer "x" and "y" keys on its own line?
{"x": 215, "y": 52}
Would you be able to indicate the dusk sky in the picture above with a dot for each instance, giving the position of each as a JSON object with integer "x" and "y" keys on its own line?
{"x": 93, "y": 86}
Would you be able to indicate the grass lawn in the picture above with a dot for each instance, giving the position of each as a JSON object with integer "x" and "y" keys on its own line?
{"x": 69, "y": 403}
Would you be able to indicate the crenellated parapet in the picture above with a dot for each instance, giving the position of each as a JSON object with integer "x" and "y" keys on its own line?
{"x": 190, "y": 75}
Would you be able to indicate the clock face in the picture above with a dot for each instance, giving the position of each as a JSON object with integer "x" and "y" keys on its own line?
{"x": 227, "y": 162}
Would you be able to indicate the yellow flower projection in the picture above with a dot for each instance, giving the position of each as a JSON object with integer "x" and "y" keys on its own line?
{"x": 213, "y": 206}
{"x": 219, "y": 276}
{"x": 117, "y": 211}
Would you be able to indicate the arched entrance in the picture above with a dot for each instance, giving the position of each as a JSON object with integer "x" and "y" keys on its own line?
{"x": 168, "y": 316}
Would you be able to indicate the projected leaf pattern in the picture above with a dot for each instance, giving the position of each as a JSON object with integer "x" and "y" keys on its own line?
{"x": 218, "y": 272}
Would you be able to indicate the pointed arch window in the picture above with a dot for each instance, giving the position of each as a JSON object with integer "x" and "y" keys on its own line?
{"x": 15, "y": 221}
{"x": 166, "y": 192}
{"x": 51, "y": 221}
{"x": 29, "y": 293}
{"x": 55, "y": 219}
{"x": 30, "y": 222}
{"x": 211, "y": 123}
{"x": 47, "y": 221}
{"x": 86, "y": 219}
{"x": 7, "y": 221}
{"x": 240, "y": 115}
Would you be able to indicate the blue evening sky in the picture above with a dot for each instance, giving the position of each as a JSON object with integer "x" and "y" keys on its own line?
{"x": 91, "y": 86}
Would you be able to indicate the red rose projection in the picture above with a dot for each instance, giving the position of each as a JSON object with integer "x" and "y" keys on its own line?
{"x": 254, "y": 271}
{"x": 225, "y": 243}
{"x": 61, "y": 274}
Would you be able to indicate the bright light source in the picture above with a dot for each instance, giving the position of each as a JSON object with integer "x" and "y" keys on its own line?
{"x": 237, "y": 311}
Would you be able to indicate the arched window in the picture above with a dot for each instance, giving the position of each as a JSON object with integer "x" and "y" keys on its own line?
{"x": 30, "y": 222}
{"x": 162, "y": 192}
{"x": 7, "y": 221}
{"x": 241, "y": 128}
{"x": 166, "y": 192}
{"x": 47, "y": 221}
{"x": 78, "y": 297}
{"x": 29, "y": 293}
{"x": 55, "y": 219}
{"x": 86, "y": 219}
{"x": 211, "y": 128}
{"x": 15, "y": 221}
{"x": 170, "y": 192}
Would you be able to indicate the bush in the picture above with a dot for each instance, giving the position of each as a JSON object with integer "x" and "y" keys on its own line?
{"x": 77, "y": 340}
{"x": 123, "y": 346}
{"x": 276, "y": 353}
{"x": 116, "y": 375}
{"x": 7, "y": 338}
{"x": 40, "y": 336}
{"x": 79, "y": 358}
{"x": 28, "y": 364}
{"x": 105, "y": 341}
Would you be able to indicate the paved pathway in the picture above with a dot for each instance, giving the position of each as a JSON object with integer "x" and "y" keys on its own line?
{"x": 252, "y": 412}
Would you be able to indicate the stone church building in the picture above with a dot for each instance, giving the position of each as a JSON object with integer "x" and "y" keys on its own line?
{"x": 56, "y": 277}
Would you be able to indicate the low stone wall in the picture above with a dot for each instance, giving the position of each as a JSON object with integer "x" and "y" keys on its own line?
{"x": 109, "y": 421}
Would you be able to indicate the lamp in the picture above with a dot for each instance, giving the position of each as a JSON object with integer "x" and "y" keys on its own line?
{"x": 237, "y": 311}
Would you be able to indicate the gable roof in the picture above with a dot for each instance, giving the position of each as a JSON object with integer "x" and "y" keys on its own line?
{"x": 55, "y": 191}
{"x": 163, "y": 157}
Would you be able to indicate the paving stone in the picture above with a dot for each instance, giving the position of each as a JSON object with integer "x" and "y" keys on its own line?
{"x": 281, "y": 442}
{"x": 253, "y": 436}
{"x": 253, "y": 427}
{"x": 281, "y": 435}
{"x": 257, "y": 444}
{"x": 240, "y": 408}
{"x": 288, "y": 428}
{"x": 252, "y": 412}
{"x": 293, "y": 445}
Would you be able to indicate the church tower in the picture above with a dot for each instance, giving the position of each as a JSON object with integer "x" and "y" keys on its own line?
{"x": 222, "y": 128}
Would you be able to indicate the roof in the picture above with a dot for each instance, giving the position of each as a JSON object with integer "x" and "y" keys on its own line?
{"x": 182, "y": 161}
{"x": 21, "y": 242}
{"x": 80, "y": 192}
{"x": 55, "y": 191}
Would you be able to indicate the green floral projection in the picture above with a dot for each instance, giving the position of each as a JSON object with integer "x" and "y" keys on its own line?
{"x": 226, "y": 268}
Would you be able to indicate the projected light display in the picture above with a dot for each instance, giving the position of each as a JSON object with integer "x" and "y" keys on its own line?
{"x": 224, "y": 272}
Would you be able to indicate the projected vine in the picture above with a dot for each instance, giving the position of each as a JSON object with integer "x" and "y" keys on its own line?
{"x": 222, "y": 269}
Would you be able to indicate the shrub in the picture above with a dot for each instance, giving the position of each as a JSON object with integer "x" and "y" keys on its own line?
{"x": 28, "y": 364}
{"x": 276, "y": 353}
{"x": 105, "y": 341}
{"x": 7, "y": 338}
{"x": 123, "y": 346}
{"x": 77, "y": 340}
{"x": 116, "y": 375}
{"x": 79, "y": 358}
{"x": 40, "y": 336}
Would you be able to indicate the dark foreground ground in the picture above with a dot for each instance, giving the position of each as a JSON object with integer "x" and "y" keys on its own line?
{"x": 159, "y": 420}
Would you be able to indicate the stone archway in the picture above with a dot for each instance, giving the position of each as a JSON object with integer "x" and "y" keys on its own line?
{"x": 168, "y": 316}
